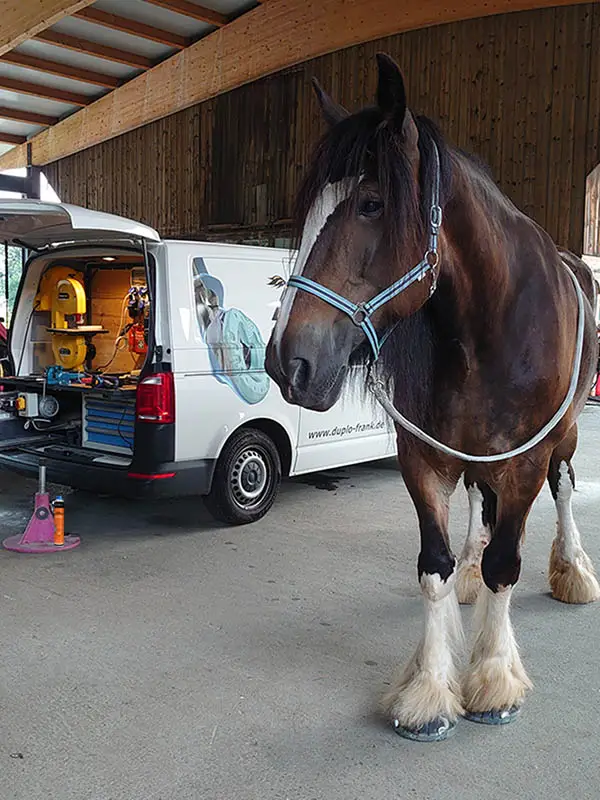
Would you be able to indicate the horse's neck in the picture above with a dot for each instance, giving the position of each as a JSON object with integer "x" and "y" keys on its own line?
{"x": 481, "y": 269}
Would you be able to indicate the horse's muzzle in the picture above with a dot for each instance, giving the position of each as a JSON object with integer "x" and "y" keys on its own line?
{"x": 313, "y": 381}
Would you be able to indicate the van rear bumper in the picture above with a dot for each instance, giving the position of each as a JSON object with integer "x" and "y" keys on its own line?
{"x": 176, "y": 479}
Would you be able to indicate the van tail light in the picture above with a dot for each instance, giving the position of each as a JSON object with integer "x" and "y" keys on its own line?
{"x": 155, "y": 399}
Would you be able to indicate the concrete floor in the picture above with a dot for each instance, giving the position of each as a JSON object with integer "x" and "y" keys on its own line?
{"x": 171, "y": 659}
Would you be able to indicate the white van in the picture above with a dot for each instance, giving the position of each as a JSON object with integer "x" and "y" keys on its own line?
{"x": 136, "y": 366}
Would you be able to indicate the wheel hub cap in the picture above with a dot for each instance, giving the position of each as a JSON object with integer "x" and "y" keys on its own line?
{"x": 249, "y": 477}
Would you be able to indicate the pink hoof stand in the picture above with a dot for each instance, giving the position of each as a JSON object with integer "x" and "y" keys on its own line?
{"x": 16, "y": 544}
{"x": 39, "y": 536}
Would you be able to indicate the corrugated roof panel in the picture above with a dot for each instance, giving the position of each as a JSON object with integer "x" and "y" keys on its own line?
{"x": 73, "y": 59}
{"x": 227, "y": 7}
{"x": 20, "y": 128}
{"x": 43, "y": 79}
{"x": 40, "y": 105}
{"x": 156, "y": 16}
{"x": 122, "y": 41}
{"x": 137, "y": 10}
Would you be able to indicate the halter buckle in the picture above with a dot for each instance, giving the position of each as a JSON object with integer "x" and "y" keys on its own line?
{"x": 436, "y": 217}
{"x": 359, "y": 315}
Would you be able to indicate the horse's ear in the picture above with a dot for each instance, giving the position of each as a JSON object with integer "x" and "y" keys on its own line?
{"x": 332, "y": 111}
{"x": 391, "y": 99}
{"x": 391, "y": 94}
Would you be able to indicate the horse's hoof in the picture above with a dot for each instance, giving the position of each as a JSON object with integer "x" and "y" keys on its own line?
{"x": 497, "y": 716}
{"x": 437, "y": 730}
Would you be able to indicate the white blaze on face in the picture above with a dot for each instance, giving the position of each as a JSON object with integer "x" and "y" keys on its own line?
{"x": 324, "y": 206}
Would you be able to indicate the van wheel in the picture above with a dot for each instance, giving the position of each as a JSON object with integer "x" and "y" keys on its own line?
{"x": 246, "y": 479}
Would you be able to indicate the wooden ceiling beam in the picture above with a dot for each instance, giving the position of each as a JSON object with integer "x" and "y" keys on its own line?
{"x": 12, "y": 138}
{"x": 275, "y": 35}
{"x": 193, "y": 11}
{"x": 49, "y": 92}
{"x": 132, "y": 26}
{"x": 94, "y": 49}
{"x": 62, "y": 70}
{"x": 27, "y": 116}
{"x": 26, "y": 18}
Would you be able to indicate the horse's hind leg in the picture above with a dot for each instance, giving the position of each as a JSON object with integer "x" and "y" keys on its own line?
{"x": 571, "y": 573}
{"x": 424, "y": 703}
{"x": 482, "y": 517}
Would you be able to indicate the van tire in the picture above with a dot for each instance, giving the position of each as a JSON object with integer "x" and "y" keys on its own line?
{"x": 246, "y": 479}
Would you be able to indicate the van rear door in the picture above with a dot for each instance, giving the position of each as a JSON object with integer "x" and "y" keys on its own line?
{"x": 36, "y": 225}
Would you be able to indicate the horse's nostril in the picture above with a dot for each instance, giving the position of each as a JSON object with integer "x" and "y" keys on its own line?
{"x": 299, "y": 373}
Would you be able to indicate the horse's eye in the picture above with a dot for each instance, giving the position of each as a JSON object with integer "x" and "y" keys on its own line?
{"x": 370, "y": 207}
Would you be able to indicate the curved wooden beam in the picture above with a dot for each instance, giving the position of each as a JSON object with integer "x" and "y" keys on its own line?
{"x": 271, "y": 37}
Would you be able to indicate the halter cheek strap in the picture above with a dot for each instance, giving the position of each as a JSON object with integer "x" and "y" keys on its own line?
{"x": 361, "y": 313}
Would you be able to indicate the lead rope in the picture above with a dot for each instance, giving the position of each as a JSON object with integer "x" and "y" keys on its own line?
{"x": 377, "y": 388}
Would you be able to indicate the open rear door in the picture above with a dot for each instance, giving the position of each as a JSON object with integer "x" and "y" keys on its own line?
{"x": 37, "y": 225}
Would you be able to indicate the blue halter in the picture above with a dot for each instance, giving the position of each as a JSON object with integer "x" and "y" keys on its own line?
{"x": 360, "y": 313}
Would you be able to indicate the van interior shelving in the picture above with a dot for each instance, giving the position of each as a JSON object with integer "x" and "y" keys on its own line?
{"x": 79, "y": 345}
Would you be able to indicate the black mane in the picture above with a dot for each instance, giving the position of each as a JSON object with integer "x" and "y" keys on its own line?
{"x": 365, "y": 143}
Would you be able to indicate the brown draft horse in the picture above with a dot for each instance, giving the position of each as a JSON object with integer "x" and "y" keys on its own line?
{"x": 479, "y": 354}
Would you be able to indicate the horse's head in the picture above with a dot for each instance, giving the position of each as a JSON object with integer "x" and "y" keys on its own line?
{"x": 362, "y": 222}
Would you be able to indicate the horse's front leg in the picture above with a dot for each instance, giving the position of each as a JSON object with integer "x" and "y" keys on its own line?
{"x": 424, "y": 703}
{"x": 495, "y": 682}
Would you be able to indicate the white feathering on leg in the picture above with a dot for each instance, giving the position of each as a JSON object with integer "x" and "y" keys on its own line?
{"x": 495, "y": 678}
{"x": 571, "y": 573}
{"x": 428, "y": 686}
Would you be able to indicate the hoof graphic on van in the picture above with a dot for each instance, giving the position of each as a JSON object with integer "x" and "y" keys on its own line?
{"x": 235, "y": 345}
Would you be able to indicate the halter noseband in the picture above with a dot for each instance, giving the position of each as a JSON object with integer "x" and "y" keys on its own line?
{"x": 360, "y": 313}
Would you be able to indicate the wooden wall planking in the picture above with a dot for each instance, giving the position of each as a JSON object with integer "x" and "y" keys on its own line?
{"x": 592, "y": 146}
{"x": 521, "y": 90}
